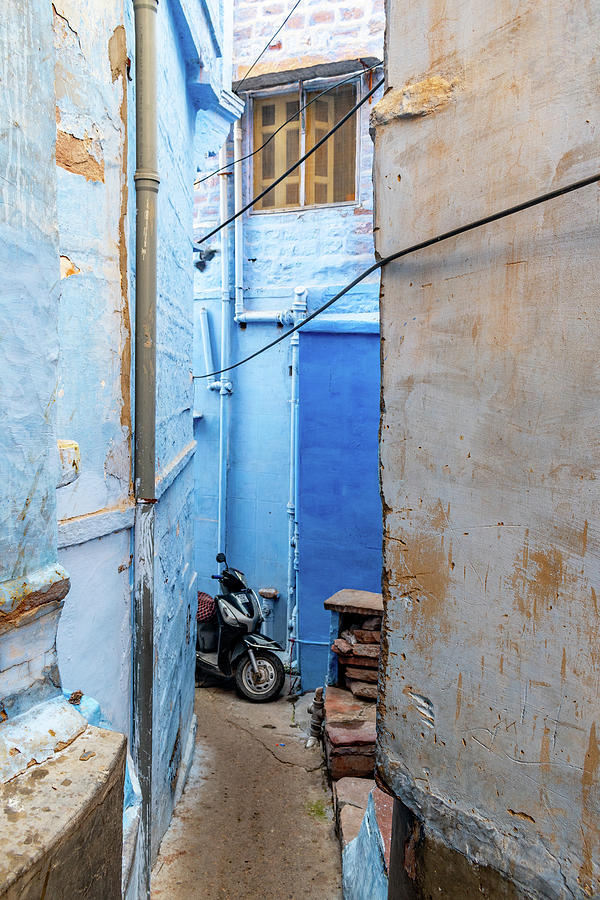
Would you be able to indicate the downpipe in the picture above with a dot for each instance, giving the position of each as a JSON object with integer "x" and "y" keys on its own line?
{"x": 146, "y": 191}
{"x": 299, "y": 311}
{"x": 223, "y": 385}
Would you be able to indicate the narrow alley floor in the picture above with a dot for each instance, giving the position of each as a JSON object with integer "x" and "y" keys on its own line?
{"x": 255, "y": 820}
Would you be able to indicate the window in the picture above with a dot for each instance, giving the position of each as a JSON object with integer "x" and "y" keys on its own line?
{"x": 329, "y": 175}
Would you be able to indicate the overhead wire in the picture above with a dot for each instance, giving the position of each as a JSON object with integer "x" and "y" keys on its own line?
{"x": 269, "y": 42}
{"x": 454, "y": 232}
{"x": 287, "y": 172}
{"x": 332, "y": 87}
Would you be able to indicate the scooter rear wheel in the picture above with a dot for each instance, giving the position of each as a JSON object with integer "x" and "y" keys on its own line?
{"x": 267, "y": 686}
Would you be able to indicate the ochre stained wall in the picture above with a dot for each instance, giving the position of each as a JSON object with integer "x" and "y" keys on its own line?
{"x": 489, "y": 715}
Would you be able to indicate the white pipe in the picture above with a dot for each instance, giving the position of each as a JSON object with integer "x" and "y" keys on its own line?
{"x": 281, "y": 317}
{"x": 206, "y": 346}
{"x": 238, "y": 225}
{"x": 224, "y": 386}
{"x": 299, "y": 311}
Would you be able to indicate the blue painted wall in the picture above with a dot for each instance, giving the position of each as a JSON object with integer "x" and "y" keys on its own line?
{"x": 28, "y": 293}
{"x": 339, "y": 509}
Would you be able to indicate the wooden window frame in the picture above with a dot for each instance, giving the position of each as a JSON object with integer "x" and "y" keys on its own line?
{"x": 301, "y": 88}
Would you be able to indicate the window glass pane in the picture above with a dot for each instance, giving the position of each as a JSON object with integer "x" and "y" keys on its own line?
{"x": 331, "y": 171}
{"x": 271, "y": 116}
{"x": 268, "y": 160}
{"x": 268, "y": 114}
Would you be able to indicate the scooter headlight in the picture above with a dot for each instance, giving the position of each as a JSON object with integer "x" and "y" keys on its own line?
{"x": 228, "y": 614}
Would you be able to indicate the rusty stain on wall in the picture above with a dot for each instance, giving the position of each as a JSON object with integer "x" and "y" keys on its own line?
{"x": 75, "y": 155}
{"x": 117, "y": 54}
{"x": 589, "y": 822}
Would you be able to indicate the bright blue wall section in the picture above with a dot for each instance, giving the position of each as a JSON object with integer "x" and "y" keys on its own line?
{"x": 339, "y": 508}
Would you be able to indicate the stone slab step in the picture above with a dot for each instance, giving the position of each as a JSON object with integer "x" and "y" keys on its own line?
{"x": 363, "y": 690}
{"x": 342, "y": 706}
{"x": 352, "y": 660}
{"x": 353, "y": 791}
{"x": 351, "y": 734}
{"x": 360, "y": 602}
{"x": 361, "y": 674}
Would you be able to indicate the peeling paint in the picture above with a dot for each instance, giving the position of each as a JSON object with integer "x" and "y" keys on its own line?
{"x": 418, "y": 99}
{"x": 117, "y": 54}
{"x": 75, "y": 155}
{"x": 68, "y": 268}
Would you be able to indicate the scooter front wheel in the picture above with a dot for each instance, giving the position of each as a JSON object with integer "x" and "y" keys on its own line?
{"x": 264, "y": 685}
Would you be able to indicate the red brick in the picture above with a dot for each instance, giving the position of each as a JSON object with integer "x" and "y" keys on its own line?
{"x": 363, "y": 635}
{"x": 275, "y": 46}
{"x": 353, "y": 13}
{"x": 355, "y": 766}
{"x": 364, "y": 690}
{"x": 341, "y": 706}
{"x": 354, "y": 791}
{"x": 243, "y": 34}
{"x": 371, "y": 650}
{"x": 356, "y": 734}
{"x": 361, "y": 674}
{"x": 295, "y": 22}
{"x": 245, "y": 14}
{"x": 321, "y": 16}
{"x": 349, "y": 824}
{"x": 384, "y": 808}
{"x": 359, "y": 661}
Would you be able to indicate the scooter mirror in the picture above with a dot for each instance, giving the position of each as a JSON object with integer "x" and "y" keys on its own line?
{"x": 221, "y": 558}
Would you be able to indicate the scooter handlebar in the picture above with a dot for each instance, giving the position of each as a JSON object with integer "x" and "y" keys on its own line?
{"x": 217, "y": 577}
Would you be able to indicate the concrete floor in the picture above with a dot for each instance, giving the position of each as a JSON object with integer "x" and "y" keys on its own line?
{"x": 255, "y": 821}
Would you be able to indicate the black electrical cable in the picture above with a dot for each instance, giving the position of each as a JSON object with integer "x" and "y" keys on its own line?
{"x": 234, "y": 162}
{"x": 543, "y": 198}
{"x": 268, "y": 44}
{"x": 308, "y": 153}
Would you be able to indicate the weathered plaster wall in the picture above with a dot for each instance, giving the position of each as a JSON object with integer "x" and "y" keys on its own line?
{"x": 28, "y": 293}
{"x": 489, "y": 708}
{"x": 94, "y": 388}
{"x": 321, "y": 249}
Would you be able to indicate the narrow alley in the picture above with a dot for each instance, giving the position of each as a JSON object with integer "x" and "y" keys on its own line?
{"x": 256, "y": 817}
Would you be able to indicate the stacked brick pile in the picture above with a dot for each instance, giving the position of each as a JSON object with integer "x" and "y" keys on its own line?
{"x": 349, "y": 735}
{"x": 349, "y": 708}
{"x": 358, "y": 651}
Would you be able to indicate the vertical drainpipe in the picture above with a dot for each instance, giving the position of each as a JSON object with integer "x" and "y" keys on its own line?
{"x": 238, "y": 226}
{"x": 224, "y": 385}
{"x": 146, "y": 186}
{"x": 299, "y": 311}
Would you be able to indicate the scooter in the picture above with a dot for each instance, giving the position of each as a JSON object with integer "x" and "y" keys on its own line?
{"x": 229, "y": 642}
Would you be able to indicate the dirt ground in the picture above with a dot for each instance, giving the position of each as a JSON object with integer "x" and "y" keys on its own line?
{"x": 255, "y": 821}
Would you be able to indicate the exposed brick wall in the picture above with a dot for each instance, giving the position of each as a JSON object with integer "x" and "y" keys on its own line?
{"x": 319, "y": 31}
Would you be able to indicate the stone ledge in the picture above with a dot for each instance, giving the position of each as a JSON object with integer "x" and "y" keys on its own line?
{"x": 62, "y": 823}
{"x": 359, "y": 602}
{"x": 39, "y": 587}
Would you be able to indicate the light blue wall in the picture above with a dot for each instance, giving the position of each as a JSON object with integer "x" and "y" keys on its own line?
{"x": 94, "y": 402}
{"x": 339, "y": 510}
{"x": 28, "y": 292}
{"x": 191, "y": 116}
